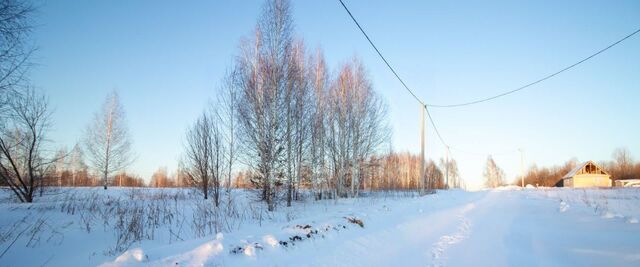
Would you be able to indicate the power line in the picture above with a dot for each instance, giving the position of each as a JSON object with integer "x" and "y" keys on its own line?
{"x": 380, "y": 54}
{"x": 475, "y": 101}
{"x": 435, "y": 128}
{"x": 537, "y": 81}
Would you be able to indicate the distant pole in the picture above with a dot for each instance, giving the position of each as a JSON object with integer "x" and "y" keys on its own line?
{"x": 447, "y": 169}
{"x": 521, "y": 167}
{"x": 421, "y": 182}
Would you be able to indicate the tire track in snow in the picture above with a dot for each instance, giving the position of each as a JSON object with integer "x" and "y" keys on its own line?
{"x": 446, "y": 241}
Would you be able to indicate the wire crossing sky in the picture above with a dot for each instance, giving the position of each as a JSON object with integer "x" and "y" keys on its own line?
{"x": 435, "y": 128}
{"x": 475, "y": 101}
{"x": 535, "y": 82}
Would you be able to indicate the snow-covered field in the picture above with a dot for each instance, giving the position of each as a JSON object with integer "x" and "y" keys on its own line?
{"x": 173, "y": 227}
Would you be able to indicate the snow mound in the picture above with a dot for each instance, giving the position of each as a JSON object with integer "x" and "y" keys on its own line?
{"x": 608, "y": 215}
{"x": 127, "y": 258}
{"x": 249, "y": 250}
{"x": 200, "y": 255}
{"x": 563, "y": 206}
{"x": 270, "y": 240}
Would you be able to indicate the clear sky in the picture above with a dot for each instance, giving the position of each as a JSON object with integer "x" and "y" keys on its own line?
{"x": 166, "y": 61}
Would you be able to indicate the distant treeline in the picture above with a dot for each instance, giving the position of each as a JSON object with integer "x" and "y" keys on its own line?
{"x": 390, "y": 171}
{"x": 621, "y": 166}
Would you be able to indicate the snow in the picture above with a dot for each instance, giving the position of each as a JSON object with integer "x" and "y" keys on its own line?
{"x": 131, "y": 256}
{"x": 502, "y": 227}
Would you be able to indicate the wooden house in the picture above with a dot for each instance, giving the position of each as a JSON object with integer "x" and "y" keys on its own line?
{"x": 587, "y": 174}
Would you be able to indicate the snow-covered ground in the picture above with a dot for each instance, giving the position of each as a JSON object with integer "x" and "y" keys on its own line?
{"x": 172, "y": 227}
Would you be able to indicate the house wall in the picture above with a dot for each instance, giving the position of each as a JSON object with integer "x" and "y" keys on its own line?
{"x": 568, "y": 182}
{"x": 591, "y": 180}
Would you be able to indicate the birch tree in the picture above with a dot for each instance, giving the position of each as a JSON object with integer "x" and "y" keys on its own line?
{"x": 107, "y": 140}
{"x": 226, "y": 112}
{"x": 77, "y": 165}
{"x": 263, "y": 72}
{"x": 493, "y": 174}
{"x": 298, "y": 113}
{"x": 356, "y": 125}
{"x": 319, "y": 79}
{"x": 452, "y": 168}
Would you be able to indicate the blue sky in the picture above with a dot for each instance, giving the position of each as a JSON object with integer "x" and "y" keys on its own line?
{"x": 166, "y": 61}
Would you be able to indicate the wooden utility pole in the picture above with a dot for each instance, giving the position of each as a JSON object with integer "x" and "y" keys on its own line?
{"x": 422, "y": 181}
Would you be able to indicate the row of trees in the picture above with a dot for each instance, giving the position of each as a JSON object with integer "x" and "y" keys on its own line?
{"x": 547, "y": 176}
{"x": 390, "y": 171}
{"x": 395, "y": 171}
{"x": 296, "y": 125}
{"x": 622, "y": 165}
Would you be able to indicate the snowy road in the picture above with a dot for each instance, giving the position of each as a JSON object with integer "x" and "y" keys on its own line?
{"x": 455, "y": 228}
{"x": 491, "y": 228}
{"x": 511, "y": 228}
{"x": 505, "y": 227}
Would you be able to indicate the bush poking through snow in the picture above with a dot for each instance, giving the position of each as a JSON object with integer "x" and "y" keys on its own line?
{"x": 308, "y": 232}
{"x": 355, "y": 220}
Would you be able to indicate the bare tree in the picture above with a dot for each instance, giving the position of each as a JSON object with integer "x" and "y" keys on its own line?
{"x": 548, "y": 176}
{"x": 297, "y": 128}
{"x": 218, "y": 163}
{"x": 15, "y": 26}
{"x": 226, "y": 111}
{"x": 319, "y": 79}
{"x": 297, "y": 115}
{"x": 59, "y": 166}
{"x": 493, "y": 174}
{"x": 77, "y": 166}
{"x": 434, "y": 176}
{"x": 263, "y": 75}
{"x": 452, "y": 168}
{"x": 356, "y": 125}
{"x": 623, "y": 164}
{"x": 198, "y": 154}
{"x": 23, "y": 162}
{"x": 161, "y": 179}
{"x": 107, "y": 139}
{"x": 204, "y": 160}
